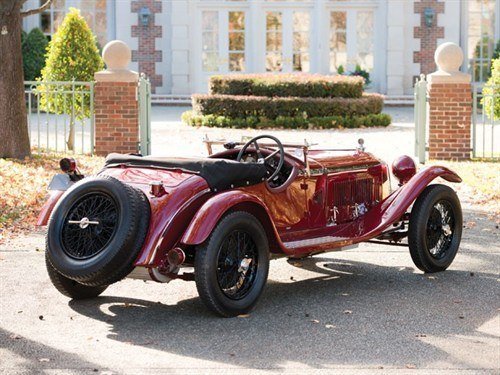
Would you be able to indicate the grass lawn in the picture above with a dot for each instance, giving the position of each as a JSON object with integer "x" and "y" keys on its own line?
{"x": 23, "y": 187}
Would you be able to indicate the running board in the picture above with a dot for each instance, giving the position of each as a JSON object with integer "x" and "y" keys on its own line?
{"x": 319, "y": 241}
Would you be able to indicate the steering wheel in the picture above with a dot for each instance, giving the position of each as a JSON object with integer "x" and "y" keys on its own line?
{"x": 266, "y": 160}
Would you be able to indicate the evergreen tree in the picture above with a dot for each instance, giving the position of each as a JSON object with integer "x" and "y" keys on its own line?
{"x": 72, "y": 55}
{"x": 34, "y": 48}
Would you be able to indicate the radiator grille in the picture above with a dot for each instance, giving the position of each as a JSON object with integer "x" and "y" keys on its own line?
{"x": 345, "y": 195}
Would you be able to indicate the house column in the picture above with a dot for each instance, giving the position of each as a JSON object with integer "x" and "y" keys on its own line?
{"x": 450, "y": 106}
{"x": 115, "y": 102}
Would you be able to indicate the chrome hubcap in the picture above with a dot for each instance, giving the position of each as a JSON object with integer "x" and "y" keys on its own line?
{"x": 84, "y": 223}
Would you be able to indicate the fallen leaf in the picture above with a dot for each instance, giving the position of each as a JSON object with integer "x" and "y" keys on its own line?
{"x": 461, "y": 317}
{"x": 44, "y": 359}
{"x": 40, "y": 317}
{"x": 344, "y": 294}
{"x": 470, "y": 224}
{"x": 14, "y": 337}
{"x": 347, "y": 312}
{"x": 297, "y": 264}
{"x": 243, "y": 316}
{"x": 315, "y": 321}
{"x": 410, "y": 365}
{"x": 432, "y": 277}
{"x": 472, "y": 274}
{"x": 329, "y": 326}
{"x": 457, "y": 301}
{"x": 421, "y": 335}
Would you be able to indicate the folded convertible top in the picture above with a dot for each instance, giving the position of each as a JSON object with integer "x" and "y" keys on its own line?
{"x": 220, "y": 174}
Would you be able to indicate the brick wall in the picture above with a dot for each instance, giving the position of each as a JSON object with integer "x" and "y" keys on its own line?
{"x": 449, "y": 121}
{"x": 116, "y": 117}
{"x": 147, "y": 55}
{"x": 428, "y": 35}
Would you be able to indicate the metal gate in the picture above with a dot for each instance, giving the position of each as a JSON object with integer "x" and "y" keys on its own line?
{"x": 420, "y": 116}
{"x": 60, "y": 116}
{"x": 144, "y": 115}
{"x": 486, "y": 122}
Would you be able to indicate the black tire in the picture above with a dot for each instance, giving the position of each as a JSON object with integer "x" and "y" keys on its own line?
{"x": 435, "y": 228}
{"x": 210, "y": 273}
{"x": 103, "y": 252}
{"x": 71, "y": 288}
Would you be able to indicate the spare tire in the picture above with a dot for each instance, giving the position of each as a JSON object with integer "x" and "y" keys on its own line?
{"x": 97, "y": 230}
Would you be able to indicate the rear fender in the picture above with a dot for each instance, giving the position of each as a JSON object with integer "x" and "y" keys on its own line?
{"x": 59, "y": 184}
{"x": 391, "y": 210}
{"x": 207, "y": 217}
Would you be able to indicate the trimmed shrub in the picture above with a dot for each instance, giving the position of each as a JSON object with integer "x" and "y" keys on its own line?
{"x": 72, "y": 55}
{"x": 286, "y": 85}
{"x": 245, "y": 106}
{"x": 491, "y": 93}
{"x": 284, "y": 122}
{"x": 34, "y": 48}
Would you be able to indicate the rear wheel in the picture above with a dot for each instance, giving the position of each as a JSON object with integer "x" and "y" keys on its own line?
{"x": 435, "y": 228}
{"x": 231, "y": 267}
{"x": 71, "y": 288}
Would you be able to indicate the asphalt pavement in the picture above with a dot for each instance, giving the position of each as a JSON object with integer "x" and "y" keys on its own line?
{"x": 366, "y": 310}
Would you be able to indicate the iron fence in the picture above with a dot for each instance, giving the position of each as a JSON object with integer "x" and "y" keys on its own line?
{"x": 486, "y": 122}
{"x": 61, "y": 116}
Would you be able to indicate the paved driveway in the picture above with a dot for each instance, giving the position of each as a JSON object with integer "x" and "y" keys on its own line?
{"x": 172, "y": 138}
{"x": 365, "y": 310}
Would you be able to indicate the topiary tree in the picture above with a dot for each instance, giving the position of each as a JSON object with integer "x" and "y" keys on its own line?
{"x": 491, "y": 93}
{"x": 72, "y": 55}
{"x": 34, "y": 48}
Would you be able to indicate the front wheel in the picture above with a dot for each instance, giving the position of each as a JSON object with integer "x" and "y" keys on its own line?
{"x": 435, "y": 228}
{"x": 231, "y": 267}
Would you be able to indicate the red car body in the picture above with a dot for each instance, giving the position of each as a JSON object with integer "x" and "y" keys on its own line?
{"x": 328, "y": 202}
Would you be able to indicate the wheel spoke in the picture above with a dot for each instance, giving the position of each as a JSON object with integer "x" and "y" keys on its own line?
{"x": 85, "y": 240}
{"x": 237, "y": 264}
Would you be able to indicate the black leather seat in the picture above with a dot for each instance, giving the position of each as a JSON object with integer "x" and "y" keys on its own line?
{"x": 220, "y": 174}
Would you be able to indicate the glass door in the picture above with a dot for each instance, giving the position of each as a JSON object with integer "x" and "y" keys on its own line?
{"x": 351, "y": 40}
{"x": 288, "y": 41}
{"x": 223, "y": 44}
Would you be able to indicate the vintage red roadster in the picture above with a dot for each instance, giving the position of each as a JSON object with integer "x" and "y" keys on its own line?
{"x": 219, "y": 220}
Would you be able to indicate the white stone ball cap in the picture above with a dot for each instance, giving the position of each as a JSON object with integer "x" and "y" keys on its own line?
{"x": 117, "y": 55}
{"x": 449, "y": 58}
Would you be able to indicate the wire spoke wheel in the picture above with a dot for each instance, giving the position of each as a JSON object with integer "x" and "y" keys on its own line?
{"x": 440, "y": 227}
{"x": 237, "y": 264}
{"x": 89, "y": 225}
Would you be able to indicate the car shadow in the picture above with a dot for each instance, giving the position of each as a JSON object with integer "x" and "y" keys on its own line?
{"x": 351, "y": 314}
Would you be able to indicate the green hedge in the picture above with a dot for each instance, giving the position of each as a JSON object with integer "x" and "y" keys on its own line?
{"x": 244, "y": 106}
{"x": 283, "y": 122}
{"x": 286, "y": 85}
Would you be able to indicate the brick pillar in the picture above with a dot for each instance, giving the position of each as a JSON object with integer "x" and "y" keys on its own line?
{"x": 115, "y": 103}
{"x": 450, "y": 106}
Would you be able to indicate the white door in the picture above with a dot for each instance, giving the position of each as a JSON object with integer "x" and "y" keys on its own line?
{"x": 352, "y": 40}
{"x": 222, "y": 44}
{"x": 288, "y": 40}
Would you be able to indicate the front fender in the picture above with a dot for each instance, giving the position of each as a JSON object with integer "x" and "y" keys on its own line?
{"x": 207, "y": 217}
{"x": 391, "y": 210}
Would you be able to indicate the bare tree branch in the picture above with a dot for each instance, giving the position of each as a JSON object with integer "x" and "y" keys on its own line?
{"x": 36, "y": 10}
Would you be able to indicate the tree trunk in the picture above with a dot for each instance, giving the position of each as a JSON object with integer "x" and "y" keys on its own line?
{"x": 13, "y": 123}
{"x": 71, "y": 137}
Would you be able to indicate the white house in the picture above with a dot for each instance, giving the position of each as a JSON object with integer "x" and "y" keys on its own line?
{"x": 180, "y": 43}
